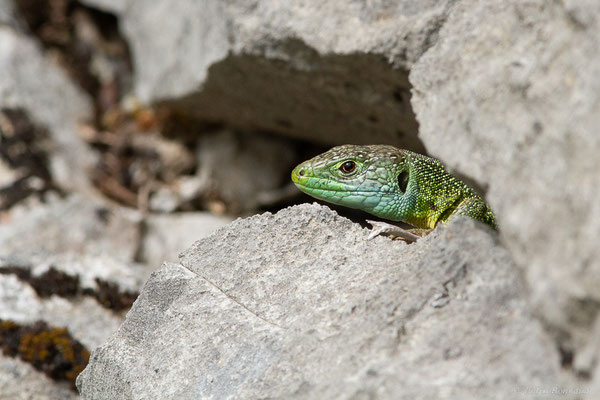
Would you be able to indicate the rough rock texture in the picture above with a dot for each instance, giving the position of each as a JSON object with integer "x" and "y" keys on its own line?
{"x": 510, "y": 96}
{"x": 300, "y": 305}
{"x": 85, "y": 319}
{"x": 31, "y": 383}
{"x": 31, "y": 82}
{"x": 66, "y": 263}
{"x": 312, "y": 69}
{"x": 504, "y": 92}
{"x": 77, "y": 297}
{"x": 75, "y": 224}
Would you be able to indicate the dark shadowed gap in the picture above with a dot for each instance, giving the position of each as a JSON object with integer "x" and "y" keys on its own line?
{"x": 328, "y": 100}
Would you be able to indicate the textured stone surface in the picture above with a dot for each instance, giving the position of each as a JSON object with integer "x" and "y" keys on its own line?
{"x": 20, "y": 381}
{"x": 509, "y": 96}
{"x": 31, "y": 82}
{"x": 75, "y": 224}
{"x": 312, "y": 69}
{"x": 300, "y": 305}
{"x": 85, "y": 319}
{"x": 504, "y": 92}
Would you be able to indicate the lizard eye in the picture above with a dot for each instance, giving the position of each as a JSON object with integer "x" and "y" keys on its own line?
{"x": 348, "y": 167}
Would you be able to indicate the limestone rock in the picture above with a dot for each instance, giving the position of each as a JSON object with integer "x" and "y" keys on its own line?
{"x": 325, "y": 71}
{"x": 69, "y": 291}
{"x": 76, "y": 224}
{"x": 300, "y": 305}
{"x": 509, "y": 96}
{"x": 29, "y": 81}
{"x": 243, "y": 170}
{"x": 20, "y": 381}
{"x": 7, "y": 12}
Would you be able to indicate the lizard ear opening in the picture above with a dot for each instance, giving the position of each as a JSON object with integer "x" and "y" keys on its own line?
{"x": 403, "y": 181}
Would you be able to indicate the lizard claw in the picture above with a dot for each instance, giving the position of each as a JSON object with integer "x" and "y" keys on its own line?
{"x": 380, "y": 228}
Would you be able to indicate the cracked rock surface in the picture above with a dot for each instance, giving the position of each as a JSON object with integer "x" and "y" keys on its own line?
{"x": 300, "y": 305}
{"x": 199, "y": 109}
{"x": 509, "y": 96}
{"x": 313, "y": 70}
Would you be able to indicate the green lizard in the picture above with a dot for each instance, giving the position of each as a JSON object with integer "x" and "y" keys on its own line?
{"x": 393, "y": 184}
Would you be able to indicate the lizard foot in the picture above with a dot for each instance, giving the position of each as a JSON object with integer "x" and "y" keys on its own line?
{"x": 383, "y": 228}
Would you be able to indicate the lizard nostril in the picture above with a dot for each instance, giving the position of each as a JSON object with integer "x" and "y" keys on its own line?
{"x": 301, "y": 172}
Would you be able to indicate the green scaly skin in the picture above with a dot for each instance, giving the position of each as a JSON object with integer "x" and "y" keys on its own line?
{"x": 391, "y": 183}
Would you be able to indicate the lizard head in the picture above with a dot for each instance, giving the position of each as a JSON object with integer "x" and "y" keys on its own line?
{"x": 372, "y": 178}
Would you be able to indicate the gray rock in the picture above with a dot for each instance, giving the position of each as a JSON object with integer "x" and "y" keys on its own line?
{"x": 509, "y": 96}
{"x": 7, "y": 174}
{"x": 594, "y": 390}
{"x": 7, "y": 12}
{"x": 166, "y": 235}
{"x": 300, "y": 305}
{"x": 242, "y": 170}
{"x": 20, "y": 381}
{"x": 313, "y": 70}
{"x": 164, "y": 199}
{"x": 91, "y": 243}
{"x": 87, "y": 320}
{"x": 31, "y": 82}
{"x": 113, "y": 6}
{"x": 586, "y": 360}
{"x": 83, "y": 316}
{"x": 76, "y": 224}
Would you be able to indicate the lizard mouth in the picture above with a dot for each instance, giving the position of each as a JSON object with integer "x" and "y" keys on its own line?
{"x": 303, "y": 179}
{"x": 320, "y": 188}
{"x": 312, "y": 184}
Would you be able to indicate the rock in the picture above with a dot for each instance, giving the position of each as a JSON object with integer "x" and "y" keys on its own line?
{"x": 594, "y": 391}
{"x": 110, "y": 6}
{"x": 166, "y": 235}
{"x": 585, "y": 362}
{"x": 7, "y": 12}
{"x": 327, "y": 72}
{"x": 76, "y": 224}
{"x": 80, "y": 292}
{"x": 300, "y": 305}
{"x": 164, "y": 199}
{"x": 20, "y": 381}
{"x": 241, "y": 170}
{"x": 85, "y": 295}
{"x": 29, "y": 81}
{"x": 509, "y": 96}
{"x": 24, "y": 159}
{"x": 7, "y": 174}
{"x": 85, "y": 318}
